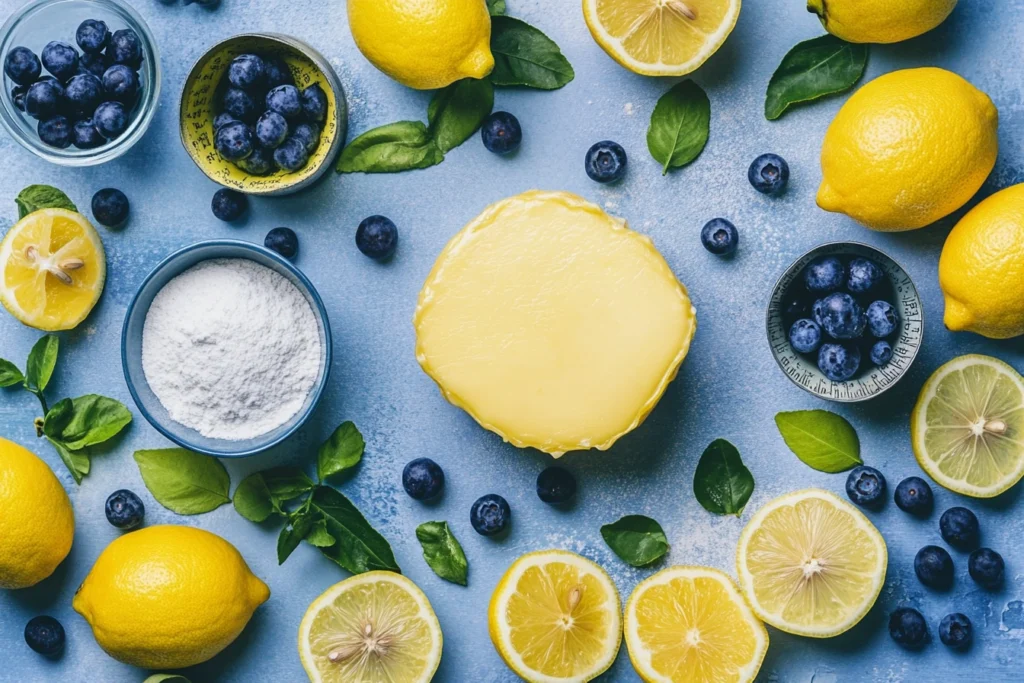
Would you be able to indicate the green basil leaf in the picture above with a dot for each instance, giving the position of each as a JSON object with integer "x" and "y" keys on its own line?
{"x": 496, "y": 7}
{"x": 636, "y": 539}
{"x": 77, "y": 462}
{"x": 292, "y": 534}
{"x": 319, "y": 536}
{"x": 823, "y": 440}
{"x": 341, "y": 452}
{"x": 94, "y": 419}
{"x": 252, "y": 499}
{"x": 442, "y": 551}
{"x": 680, "y": 126}
{"x": 58, "y": 417}
{"x": 458, "y": 111}
{"x": 9, "y": 374}
{"x": 36, "y": 197}
{"x": 166, "y": 678}
{"x": 523, "y": 55}
{"x": 722, "y": 483}
{"x": 814, "y": 68}
{"x": 359, "y": 547}
{"x": 395, "y": 147}
{"x": 184, "y": 482}
{"x": 287, "y": 483}
{"x": 42, "y": 359}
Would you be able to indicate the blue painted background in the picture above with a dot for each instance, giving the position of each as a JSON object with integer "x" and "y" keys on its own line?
{"x": 729, "y": 385}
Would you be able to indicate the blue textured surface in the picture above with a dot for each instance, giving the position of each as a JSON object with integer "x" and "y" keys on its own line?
{"x": 728, "y": 387}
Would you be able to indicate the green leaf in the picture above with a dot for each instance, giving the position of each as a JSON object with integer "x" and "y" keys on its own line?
{"x": 359, "y": 547}
{"x": 56, "y": 420}
{"x": 395, "y": 147}
{"x": 458, "y": 111}
{"x": 184, "y": 482}
{"x": 341, "y": 452}
{"x": 722, "y": 483}
{"x": 292, "y": 534}
{"x": 814, "y": 68}
{"x": 36, "y": 197}
{"x": 636, "y": 539}
{"x": 9, "y": 374}
{"x": 94, "y": 419}
{"x": 525, "y": 56}
{"x": 76, "y": 462}
{"x": 496, "y": 7}
{"x": 287, "y": 483}
{"x": 42, "y": 359}
{"x": 166, "y": 678}
{"x": 442, "y": 551}
{"x": 319, "y": 536}
{"x": 823, "y": 440}
{"x": 680, "y": 125}
{"x": 252, "y": 499}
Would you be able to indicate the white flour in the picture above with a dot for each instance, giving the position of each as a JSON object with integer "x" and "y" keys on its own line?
{"x": 231, "y": 348}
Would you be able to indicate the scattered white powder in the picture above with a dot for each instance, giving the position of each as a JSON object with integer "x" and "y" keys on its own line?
{"x": 231, "y": 348}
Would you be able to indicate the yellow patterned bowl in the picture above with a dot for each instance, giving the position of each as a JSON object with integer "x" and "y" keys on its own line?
{"x": 202, "y": 91}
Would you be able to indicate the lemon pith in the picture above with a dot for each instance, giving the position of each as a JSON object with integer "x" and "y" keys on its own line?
{"x": 880, "y": 21}
{"x": 555, "y": 618}
{"x": 692, "y": 625}
{"x": 967, "y": 426}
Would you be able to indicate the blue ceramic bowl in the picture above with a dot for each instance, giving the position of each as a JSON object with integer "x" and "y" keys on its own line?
{"x": 131, "y": 347}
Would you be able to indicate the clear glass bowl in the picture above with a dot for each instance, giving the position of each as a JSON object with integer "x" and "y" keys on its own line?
{"x": 39, "y": 22}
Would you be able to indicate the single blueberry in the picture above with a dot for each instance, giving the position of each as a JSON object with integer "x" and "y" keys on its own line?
{"x": 864, "y": 275}
{"x": 229, "y": 205}
{"x": 377, "y": 237}
{"x": 92, "y": 64}
{"x": 276, "y": 72}
{"x": 824, "y": 274}
{"x": 423, "y": 479}
{"x": 883, "y": 319}
{"x": 490, "y": 515}
{"x": 605, "y": 162}
{"x": 556, "y": 485}
{"x": 247, "y": 72}
{"x": 55, "y": 131}
{"x": 955, "y": 631}
{"x": 44, "y": 99}
{"x": 959, "y": 528}
{"x": 285, "y": 100}
{"x": 239, "y": 104}
{"x": 838, "y": 362}
{"x": 501, "y": 133}
{"x": 83, "y": 93}
{"x": 271, "y": 129}
{"x": 840, "y": 316}
{"x": 125, "y": 48}
{"x": 865, "y": 486}
{"x": 768, "y": 173}
{"x": 85, "y": 136}
{"x": 284, "y": 241}
{"x": 720, "y": 236}
{"x": 121, "y": 83}
{"x": 805, "y": 336}
{"x": 314, "y": 104}
{"x": 908, "y": 628}
{"x": 22, "y": 66}
{"x": 18, "y": 93}
{"x": 110, "y": 119}
{"x": 92, "y": 36}
{"x": 934, "y": 567}
{"x": 110, "y": 207}
{"x": 259, "y": 163}
{"x": 881, "y": 353}
{"x": 124, "y": 509}
{"x": 233, "y": 141}
{"x": 914, "y": 495}
{"x": 986, "y": 567}
{"x": 291, "y": 155}
{"x": 60, "y": 59}
{"x": 309, "y": 133}
{"x": 222, "y": 119}
{"x": 45, "y": 635}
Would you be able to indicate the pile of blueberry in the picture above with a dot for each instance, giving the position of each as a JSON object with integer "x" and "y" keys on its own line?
{"x": 265, "y": 122}
{"x": 88, "y": 98}
{"x": 838, "y": 311}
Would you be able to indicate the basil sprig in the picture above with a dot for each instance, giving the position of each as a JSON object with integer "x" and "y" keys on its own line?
{"x": 636, "y": 539}
{"x": 822, "y": 440}
{"x": 680, "y": 125}
{"x": 443, "y": 552}
{"x": 722, "y": 483}
{"x": 813, "y": 69}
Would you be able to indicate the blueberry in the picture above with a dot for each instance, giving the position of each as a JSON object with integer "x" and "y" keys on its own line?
{"x": 314, "y": 104}
{"x": 85, "y": 136}
{"x": 805, "y": 336}
{"x": 423, "y": 479}
{"x": 92, "y": 64}
{"x": 83, "y": 93}
{"x": 986, "y": 567}
{"x": 60, "y": 59}
{"x": 881, "y": 353}
{"x": 285, "y": 100}
{"x": 18, "y": 93}
{"x": 908, "y": 628}
{"x": 276, "y": 72}
{"x": 92, "y": 36}
{"x": 959, "y": 528}
{"x": 44, "y": 99}
{"x": 865, "y": 486}
{"x": 284, "y": 241}
{"x": 309, "y": 133}
{"x": 22, "y": 66}
{"x": 556, "y": 485}
{"x": 110, "y": 119}
{"x": 259, "y": 163}
{"x": 490, "y": 515}
{"x": 45, "y": 635}
{"x": 55, "y": 131}
{"x": 824, "y": 274}
{"x": 110, "y": 208}
{"x": 914, "y": 495}
{"x": 247, "y": 72}
{"x": 292, "y": 154}
{"x": 934, "y": 567}
{"x": 882, "y": 319}
{"x": 125, "y": 48}
{"x": 768, "y": 173}
{"x": 124, "y": 509}
{"x": 838, "y": 362}
{"x": 271, "y": 129}
{"x": 222, "y": 119}
{"x": 121, "y": 83}
{"x": 841, "y": 316}
{"x": 719, "y": 236}
{"x": 233, "y": 141}
{"x": 605, "y": 162}
{"x": 501, "y": 133}
{"x": 864, "y": 275}
{"x": 377, "y": 237}
{"x": 239, "y": 104}
{"x": 955, "y": 631}
{"x": 229, "y": 205}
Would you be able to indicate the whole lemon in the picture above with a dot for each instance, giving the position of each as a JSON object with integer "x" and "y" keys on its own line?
{"x": 880, "y": 21}
{"x": 907, "y": 149}
{"x": 981, "y": 270}
{"x": 37, "y": 524}
{"x": 166, "y": 597}
{"x": 424, "y": 44}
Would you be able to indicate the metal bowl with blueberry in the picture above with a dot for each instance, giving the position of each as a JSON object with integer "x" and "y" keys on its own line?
{"x": 845, "y": 322}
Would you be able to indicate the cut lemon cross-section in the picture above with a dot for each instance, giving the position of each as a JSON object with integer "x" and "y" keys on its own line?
{"x": 661, "y": 37}
{"x": 692, "y": 625}
{"x": 376, "y": 627}
{"x": 811, "y": 564}
{"x": 52, "y": 269}
{"x": 554, "y": 618}
{"x": 968, "y": 426}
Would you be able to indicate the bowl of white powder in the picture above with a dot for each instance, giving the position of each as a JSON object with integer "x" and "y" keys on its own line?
{"x": 226, "y": 348}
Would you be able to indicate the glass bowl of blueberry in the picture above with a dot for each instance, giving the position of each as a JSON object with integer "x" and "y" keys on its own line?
{"x": 81, "y": 79}
{"x": 845, "y": 322}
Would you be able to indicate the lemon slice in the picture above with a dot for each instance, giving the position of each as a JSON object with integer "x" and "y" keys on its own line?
{"x": 692, "y": 625}
{"x": 661, "y": 37}
{"x": 811, "y": 564}
{"x": 376, "y": 627}
{"x": 554, "y": 618}
{"x": 52, "y": 269}
{"x": 968, "y": 426}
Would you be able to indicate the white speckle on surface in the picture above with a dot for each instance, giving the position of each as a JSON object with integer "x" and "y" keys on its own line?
{"x": 627, "y": 109}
